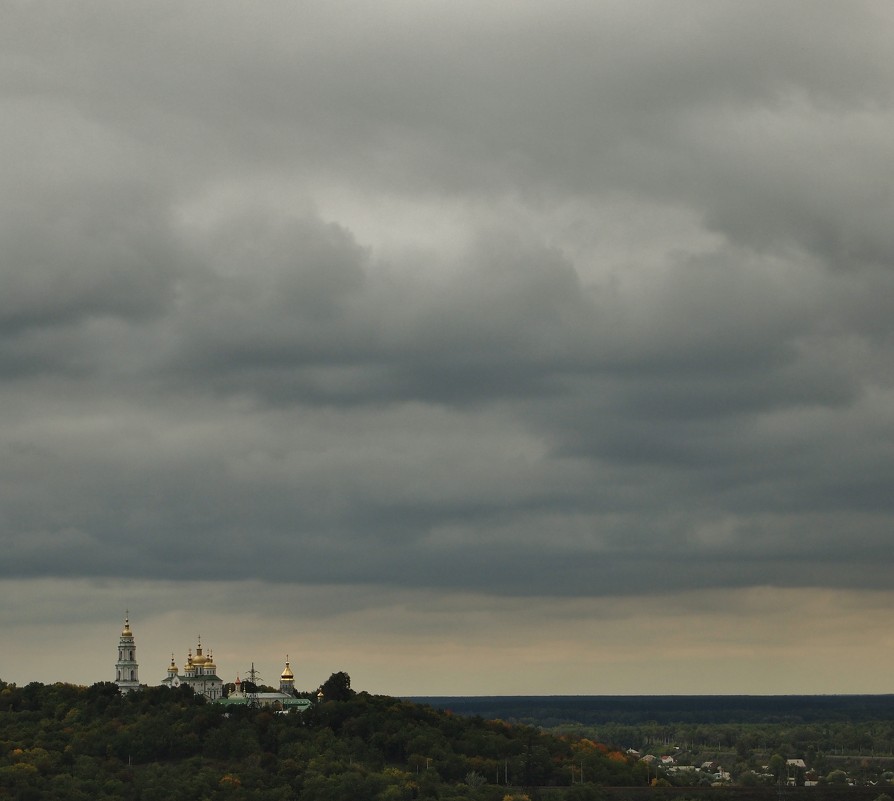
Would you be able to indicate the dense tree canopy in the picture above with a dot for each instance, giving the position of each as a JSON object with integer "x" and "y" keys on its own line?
{"x": 337, "y": 687}
{"x": 77, "y": 743}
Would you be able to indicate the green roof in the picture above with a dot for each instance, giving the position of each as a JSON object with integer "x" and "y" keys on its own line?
{"x": 264, "y": 699}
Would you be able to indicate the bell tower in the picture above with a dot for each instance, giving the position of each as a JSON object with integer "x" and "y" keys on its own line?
{"x": 127, "y": 671}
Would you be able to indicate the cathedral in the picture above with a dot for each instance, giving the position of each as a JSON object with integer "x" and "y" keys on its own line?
{"x": 199, "y": 674}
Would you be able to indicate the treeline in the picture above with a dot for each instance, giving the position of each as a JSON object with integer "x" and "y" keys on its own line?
{"x": 805, "y": 740}
{"x": 76, "y": 743}
{"x": 636, "y": 710}
{"x": 846, "y": 739}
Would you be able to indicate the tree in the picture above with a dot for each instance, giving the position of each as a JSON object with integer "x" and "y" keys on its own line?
{"x": 338, "y": 687}
{"x": 474, "y": 779}
{"x": 837, "y": 777}
{"x": 749, "y": 778}
{"x": 777, "y": 767}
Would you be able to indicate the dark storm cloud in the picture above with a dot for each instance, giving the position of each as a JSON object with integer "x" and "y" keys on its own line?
{"x": 299, "y": 311}
{"x": 210, "y": 363}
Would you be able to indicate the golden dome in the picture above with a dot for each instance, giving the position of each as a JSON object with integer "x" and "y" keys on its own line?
{"x": 200, "y": 658}
{"x": 126, "y": 632}
{"x": 287, "y": 672}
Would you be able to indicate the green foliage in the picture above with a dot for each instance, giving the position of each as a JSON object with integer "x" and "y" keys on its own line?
{"x": 837, "y": 777}
{"x": 756, "y": 753}
{"x": 65, "y": 742}
{"x": 337, "y": 687}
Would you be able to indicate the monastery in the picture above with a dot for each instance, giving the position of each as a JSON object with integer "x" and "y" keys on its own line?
{"x": 200, "y": 675}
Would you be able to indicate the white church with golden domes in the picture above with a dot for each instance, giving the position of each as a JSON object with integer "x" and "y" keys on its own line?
{"x": 199, "y": 674}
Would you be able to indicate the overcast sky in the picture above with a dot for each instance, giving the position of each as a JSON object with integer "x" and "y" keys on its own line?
{"x": 471, "y": 348}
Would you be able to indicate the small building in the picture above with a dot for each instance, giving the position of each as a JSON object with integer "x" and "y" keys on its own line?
{"x": 281, "y": 701}
{"x": 795, "y": 772}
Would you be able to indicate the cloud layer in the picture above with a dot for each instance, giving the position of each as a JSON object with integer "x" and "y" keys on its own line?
{"x": 448, "y": 299}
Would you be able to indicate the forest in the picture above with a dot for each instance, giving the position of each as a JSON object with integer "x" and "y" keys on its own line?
{"x": 63, "y": 741}
{"x": 757, "y": 740}
{"x": 66, "y": 742}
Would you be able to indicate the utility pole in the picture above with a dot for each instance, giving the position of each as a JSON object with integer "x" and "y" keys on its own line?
{"x": 254, "y": 677}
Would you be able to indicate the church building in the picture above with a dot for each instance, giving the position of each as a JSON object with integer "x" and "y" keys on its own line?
{"x": 287, "y": 679}
{"x": 199, "y": 674}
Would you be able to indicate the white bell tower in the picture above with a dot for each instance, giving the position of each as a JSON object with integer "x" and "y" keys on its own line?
{"x": 127, "y": 671}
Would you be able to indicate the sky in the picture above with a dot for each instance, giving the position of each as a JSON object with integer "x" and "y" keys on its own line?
{"x": 469, "y": 348}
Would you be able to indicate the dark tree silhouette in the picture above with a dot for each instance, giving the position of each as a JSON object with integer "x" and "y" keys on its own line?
{"x": 338, "y": 687}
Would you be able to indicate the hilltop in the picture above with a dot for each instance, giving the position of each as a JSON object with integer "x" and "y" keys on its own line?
{"x": 66, "y": 742}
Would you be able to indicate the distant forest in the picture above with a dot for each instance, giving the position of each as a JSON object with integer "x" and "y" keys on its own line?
{"x": 803, "y": 741}
{"x": 555, "y": 710}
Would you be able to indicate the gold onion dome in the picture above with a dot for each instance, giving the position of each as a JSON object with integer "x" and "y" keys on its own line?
{"x": 287, "y": 672}
{"x": 199, "y": 658}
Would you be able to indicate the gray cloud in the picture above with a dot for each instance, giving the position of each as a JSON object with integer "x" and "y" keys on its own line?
{"x": 458, "y": 299}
